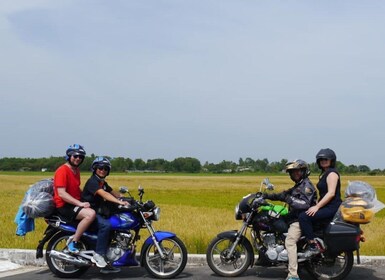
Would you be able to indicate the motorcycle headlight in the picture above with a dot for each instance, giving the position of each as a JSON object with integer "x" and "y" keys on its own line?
{"x": 156, "y": 215}
{"x": 238, "y": 214}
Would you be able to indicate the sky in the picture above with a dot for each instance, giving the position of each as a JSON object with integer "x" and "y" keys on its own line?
{"x": 210, "y": 79}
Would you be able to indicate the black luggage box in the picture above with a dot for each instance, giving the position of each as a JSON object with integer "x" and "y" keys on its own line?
{"x": 341, "y": 236}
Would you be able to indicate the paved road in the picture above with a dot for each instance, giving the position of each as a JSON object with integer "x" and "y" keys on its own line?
{"x": 358, "y": 272}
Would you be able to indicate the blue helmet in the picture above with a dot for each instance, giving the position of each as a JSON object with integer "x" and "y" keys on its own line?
{"x": 75, "y": 149}
{"x": 101, "y": 162}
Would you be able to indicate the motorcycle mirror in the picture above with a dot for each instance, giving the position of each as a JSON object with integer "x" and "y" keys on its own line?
{"x": 123, "y": 189}
{"x": 266, "y": 181}
{"x": 140, "y": 190}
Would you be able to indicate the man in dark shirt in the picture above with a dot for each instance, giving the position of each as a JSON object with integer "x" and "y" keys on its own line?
{"x": 299, "y": 198}
{"x": 97, "y": 192}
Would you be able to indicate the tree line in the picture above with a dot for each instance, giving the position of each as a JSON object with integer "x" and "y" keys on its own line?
{"x": 178, "y": 165}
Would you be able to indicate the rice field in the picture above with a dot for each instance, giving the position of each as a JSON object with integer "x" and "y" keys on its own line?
{"x": 195, "y": 207}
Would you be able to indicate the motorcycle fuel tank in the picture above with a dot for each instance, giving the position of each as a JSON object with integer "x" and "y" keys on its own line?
{"x": 124, "y": 221}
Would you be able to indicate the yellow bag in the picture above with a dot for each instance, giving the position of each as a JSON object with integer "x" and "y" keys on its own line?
{"x": 357, "y": 210}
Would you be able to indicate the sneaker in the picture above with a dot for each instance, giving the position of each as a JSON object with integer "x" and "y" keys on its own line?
{"x": 109, "y": 269}
{"x": 98, "y": 260}
{"x": 73, "y": 247}
{"x": 292, "y": 278}
{"x": 313, "y": 249}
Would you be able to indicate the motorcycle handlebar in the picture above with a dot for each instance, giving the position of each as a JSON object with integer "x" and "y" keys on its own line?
{"x": 135, "y": 205}
{"x": 128, "y": 207}
{"x": 259, "y": 194}
{"x": 259, "y": 201}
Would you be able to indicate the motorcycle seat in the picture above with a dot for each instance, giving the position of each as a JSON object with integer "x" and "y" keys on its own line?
{"x": 55, "y": 217}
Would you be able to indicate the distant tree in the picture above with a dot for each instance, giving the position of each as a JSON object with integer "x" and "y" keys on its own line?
{"x": 12, "y": 164}
{"x": 158, "y": 164}
{"x": 210, "y": 167}
{"x": 226, "y": 166}
{"x": 130, "y": 164}
{"x": 53, "y": 163}
{"x": 119, "y": 164}
{"x": 352, "y": 169}
{"x": 278, "y": 166}
{"x": 249, "y": 162}
{"x": 376, "y": 172}
{"x": 182, "y": 164}
{"x": 139, "y": 164}
{"x": 187, "y": 164}
{"x": 340, "y": 166}
{"x": 87, "y": 164}
{"x": 363, "y": 168}
{"x": 261, "y": 165}
{"x": 313, "y": 167}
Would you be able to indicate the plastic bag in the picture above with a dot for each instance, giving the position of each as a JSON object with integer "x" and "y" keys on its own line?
{"x": 360, "y": 204}
{"x": 360, "y": 189}
{"x": 45, "y": 185}
{"x": 38, "y": 202}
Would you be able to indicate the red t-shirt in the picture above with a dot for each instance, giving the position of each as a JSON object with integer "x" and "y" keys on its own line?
{"x": 65, "y": 178}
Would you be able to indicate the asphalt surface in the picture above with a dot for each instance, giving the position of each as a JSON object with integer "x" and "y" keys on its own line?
{"x": 21, "y": 264}
{"x": 358, "y": 272}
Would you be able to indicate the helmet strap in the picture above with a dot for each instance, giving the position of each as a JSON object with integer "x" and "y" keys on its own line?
{"x": 97, "y": 176}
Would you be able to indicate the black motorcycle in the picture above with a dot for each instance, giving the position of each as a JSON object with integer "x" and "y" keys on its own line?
{"x": 231, "y": 253}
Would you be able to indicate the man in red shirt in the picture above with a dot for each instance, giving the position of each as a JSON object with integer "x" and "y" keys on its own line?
{"x": 67, "y": 194}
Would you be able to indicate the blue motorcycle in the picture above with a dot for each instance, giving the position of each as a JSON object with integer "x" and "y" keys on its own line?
{"x": 163, "y": 254}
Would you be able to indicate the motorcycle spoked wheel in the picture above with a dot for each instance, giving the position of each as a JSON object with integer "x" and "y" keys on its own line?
{"x": 62, "y": 268}
{"x": 228, "y": 266}
{"x": 174, "y": 262}
{"x": 335, "y": 268}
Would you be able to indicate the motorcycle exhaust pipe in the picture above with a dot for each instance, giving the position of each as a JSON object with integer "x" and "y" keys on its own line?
{"x": 68, "y": 258}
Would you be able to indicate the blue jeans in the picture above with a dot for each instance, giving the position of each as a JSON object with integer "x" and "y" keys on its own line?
{"x": 306, "y": 222}
{"x": 103, "y": 241}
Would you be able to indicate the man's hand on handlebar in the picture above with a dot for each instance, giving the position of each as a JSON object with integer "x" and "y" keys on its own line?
{"x": 124, "y": 203}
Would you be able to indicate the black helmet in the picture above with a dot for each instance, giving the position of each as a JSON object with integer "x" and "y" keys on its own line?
{"x": 298, "y": 164}
{"x": 326, "y": 154}
{"x": 75, "y": 149}
{"x": 101, "y": 162}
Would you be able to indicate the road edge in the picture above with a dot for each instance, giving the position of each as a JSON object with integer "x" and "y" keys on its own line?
{"x": 28, "y": 258}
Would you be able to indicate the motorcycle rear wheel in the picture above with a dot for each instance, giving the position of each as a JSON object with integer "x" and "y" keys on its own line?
{"x": 62, "y": 268}
{"x": 333, "y": 268}
{"x": 228, "y": 266}
{"x": 174, "y": 262}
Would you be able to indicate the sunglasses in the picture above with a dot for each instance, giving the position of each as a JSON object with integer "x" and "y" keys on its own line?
{"x": 78, "y": 156}
{"x": 105, "y": 168}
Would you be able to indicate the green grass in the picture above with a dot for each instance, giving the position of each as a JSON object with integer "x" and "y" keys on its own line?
{"x": 195, "y": 207}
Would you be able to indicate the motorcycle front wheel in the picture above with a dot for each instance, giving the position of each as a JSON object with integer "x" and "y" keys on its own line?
{"x": 173, "y": 263}
{"x": 333, "y": 268}
{"x": 226, "y": 265}
{"x": 61, "y": 268}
